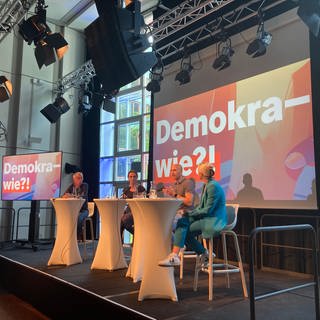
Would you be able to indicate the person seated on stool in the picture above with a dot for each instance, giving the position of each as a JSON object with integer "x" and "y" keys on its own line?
{"x": 212, "y": 205}
{"x": 128, "y": 193}
{"x": 182, "y": 189}
{"x": 79, "y": 189}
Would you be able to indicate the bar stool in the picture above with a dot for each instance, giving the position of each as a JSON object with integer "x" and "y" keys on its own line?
{"x": 184, "y": 253}
{"x": 84, "y": 229}
{"x": 225, "y": 267}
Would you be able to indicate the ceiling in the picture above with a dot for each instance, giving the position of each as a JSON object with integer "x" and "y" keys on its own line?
{"x": 78, "y": 14}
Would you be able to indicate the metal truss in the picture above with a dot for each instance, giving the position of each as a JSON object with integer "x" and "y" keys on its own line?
{"x": 211, "y": 29}
{"x": 183, "y": 15}
{"x": 76, "y": 78}
{"x": 175, "y": 20}
{"x": 11, "y": 13}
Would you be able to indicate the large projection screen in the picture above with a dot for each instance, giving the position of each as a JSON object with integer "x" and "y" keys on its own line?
{"x": 35, "y": 176}
{"x": 258, "y": 132}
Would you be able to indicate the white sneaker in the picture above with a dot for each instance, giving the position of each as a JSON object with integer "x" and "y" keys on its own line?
{"x": 171, "y": 261}
{"x": 204, "y": 259}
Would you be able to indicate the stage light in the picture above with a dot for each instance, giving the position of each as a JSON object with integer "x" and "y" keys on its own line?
{"x": 85, "y": 104}
{"x": 156, "y": 78}
{"x": 5, "y": 89}
{"x": 184, "y": 75}
{"x": 258, "y": 47}
{"x": 54, "y": 110}
{"x": 309, "y": 13}
{"x": 49, "y": 46}
{"x": 225, "y": 52}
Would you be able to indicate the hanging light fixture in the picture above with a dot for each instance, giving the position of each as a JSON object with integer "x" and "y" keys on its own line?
{"x": 258, "y": 47}
{"x": 184, "y": 75}
{"x": 49, "y": 46}
{"x": 156, "y": 78}
{"x": 54, "y": 110}
{"x": 225, "y": 52}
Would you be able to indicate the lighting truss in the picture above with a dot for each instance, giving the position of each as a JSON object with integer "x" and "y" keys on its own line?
{"x": 230, "y": 19}
{"x": 183, "y": 15}
{"x": 11, "y": 13}
{"x": 76, "y": 78}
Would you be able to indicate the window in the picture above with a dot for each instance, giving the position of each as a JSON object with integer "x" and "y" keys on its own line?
{"x": 128, "y": 136}
{"x": 107, "y": 139}
{"x": 129, "y": 105}
{"x": 124, "y": 137}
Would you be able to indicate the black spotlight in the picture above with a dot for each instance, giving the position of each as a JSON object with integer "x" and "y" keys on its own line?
{"x": 184, "y": 75}
{"x": 258, "y": 47}
{"x": 53, "y": 111}
{"x": 156, "y": 78}
{"x": 49, "y": 46}
{"x": 5, "y": 89}
{"x": 309, "y": 13}
{"x": 225, "y": 52}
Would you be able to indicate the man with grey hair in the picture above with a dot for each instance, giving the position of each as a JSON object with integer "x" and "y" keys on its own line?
{"x": 79, "y": 189}
{"x": 182, "y": 189}
{"x": 209, "y": 217}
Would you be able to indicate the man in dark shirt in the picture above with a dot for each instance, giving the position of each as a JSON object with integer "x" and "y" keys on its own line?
{"x": 183, "y": 189}
{"x": 79, "y": 189}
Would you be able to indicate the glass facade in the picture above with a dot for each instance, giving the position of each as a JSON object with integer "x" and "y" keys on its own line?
{"x": 124, "y": 138}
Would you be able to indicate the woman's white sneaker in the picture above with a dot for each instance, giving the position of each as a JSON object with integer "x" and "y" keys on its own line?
{"x": 171, "y": 260}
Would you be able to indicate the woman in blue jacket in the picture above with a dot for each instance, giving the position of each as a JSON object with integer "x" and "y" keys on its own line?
{"x": 208, "y": 219}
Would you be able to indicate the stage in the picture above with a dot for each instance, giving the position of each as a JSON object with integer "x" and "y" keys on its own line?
{"x": 108, "y": 286}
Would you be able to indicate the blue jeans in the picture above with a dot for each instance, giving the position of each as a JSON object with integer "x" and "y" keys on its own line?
{"x": 82, "y": 215}
{"x": 185, "y": 234}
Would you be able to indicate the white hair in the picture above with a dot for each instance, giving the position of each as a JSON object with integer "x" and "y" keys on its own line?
{"x": 206, "y": 169}
{"x": 79, "y": 174}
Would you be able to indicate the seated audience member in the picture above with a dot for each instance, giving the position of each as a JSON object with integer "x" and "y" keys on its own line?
{"x": 79, "y": 189}
{"x": 183, "y": 189}
{"x": 211, "y": 210}
{"x": 129, "y": 192}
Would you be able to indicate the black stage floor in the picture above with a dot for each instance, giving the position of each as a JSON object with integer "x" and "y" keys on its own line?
{"x": 227, "y": 303}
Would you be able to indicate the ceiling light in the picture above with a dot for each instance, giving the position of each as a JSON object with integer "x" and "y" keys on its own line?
{"x": 5, "y": 89}
{"x": 184, "y": 75}
{"x": 258, "y": 47}
{"x": 49, "y": 46}
{"x": 54, "y": 110}
{"x": 85, "y": 103}
{"x": 224, "y": 52}
{"x": 156, "y": 78}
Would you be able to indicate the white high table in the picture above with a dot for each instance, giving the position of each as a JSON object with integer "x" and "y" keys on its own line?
{"x": 109, "y": 253}
{"x": 66, "y": 250}
{"x": 152, "y": 243}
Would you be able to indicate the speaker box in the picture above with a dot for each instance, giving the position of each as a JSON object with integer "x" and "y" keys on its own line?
{"x": 116, "y": 53}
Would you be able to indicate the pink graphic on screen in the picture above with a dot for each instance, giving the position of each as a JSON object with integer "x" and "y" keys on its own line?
{"x": 31, "y": 176}
{"x": 258, "y": 133}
